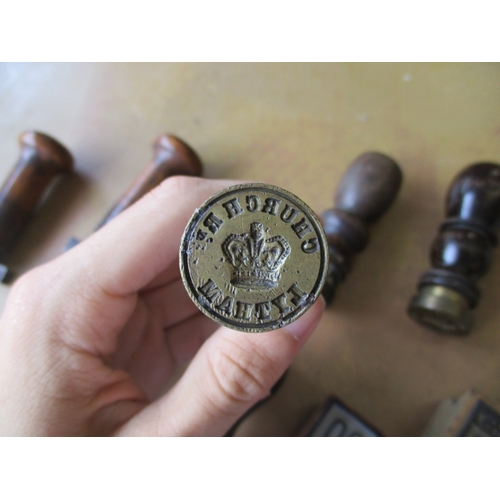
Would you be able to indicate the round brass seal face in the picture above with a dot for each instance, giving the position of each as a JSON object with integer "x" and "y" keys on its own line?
{"x": 254, "y": 257}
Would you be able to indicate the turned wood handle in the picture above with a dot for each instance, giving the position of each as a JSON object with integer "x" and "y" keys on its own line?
{"x": 365, "y": 192}
{"x": 172, "y": 156}
{"x": 474, "y": 195}
{"x": 461, "y": 252}
{"x": 42, "y": 159}
{"x": 369, "y": 186}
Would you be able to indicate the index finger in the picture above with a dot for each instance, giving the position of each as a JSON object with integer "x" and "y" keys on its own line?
{"x": 142, "y": 243}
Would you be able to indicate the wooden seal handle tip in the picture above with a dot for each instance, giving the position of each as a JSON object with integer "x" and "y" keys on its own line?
{"x": 369, "y": 186}
{"x": 168, "y": 147}
{"x": 474, "y": 194}
{"x": 47, "y": 150}
{"x": 172, "y": 156}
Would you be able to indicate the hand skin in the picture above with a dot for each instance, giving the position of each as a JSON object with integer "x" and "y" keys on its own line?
{"x": 89, "y": 341}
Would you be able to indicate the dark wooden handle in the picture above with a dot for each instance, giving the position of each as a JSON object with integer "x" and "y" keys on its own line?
{"x": 42, "y": 159}
{"x": 464, "y": 245}
{"x": 461, "y": 252}
{"x": 365, "y": 192}
{"x": 172, "y": 156}
{"x": 369, "y": 186}
{"x": 474, "y": 195}
{"x": 466, "y": 239}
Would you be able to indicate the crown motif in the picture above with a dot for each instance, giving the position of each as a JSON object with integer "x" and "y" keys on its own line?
{"x": 256, "y": 261}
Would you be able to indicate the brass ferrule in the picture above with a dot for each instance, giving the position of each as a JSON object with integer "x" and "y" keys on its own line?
{"x": 441, "y": 309}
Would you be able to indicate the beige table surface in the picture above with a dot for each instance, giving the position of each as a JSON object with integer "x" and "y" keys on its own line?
{"x": 297, "y": 126}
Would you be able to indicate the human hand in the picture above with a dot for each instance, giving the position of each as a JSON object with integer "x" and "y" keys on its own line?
{"x": 89, "y": 341}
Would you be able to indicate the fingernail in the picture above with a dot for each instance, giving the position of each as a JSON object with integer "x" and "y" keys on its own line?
{"x": 304, "y": 326}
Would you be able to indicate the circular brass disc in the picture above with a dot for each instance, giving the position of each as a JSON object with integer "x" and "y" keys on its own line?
{"x": 254, "y": 257}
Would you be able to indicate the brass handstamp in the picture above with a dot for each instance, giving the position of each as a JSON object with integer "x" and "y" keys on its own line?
{"x": 254, "y": 257}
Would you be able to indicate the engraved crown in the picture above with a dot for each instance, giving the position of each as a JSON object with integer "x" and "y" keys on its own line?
{"x": 256, "y": 261}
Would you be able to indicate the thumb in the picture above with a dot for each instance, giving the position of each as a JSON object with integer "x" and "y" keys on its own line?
{"x": 230, "y": 373}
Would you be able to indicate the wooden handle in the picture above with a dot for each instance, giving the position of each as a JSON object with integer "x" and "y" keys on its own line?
{"x": 461, "y": 252}
{"x": 42, "y": 159}
{"x": 369, "y": 186}
{"x": 172, "y": 156}
{"x": 365, "y": 192}
{"x": 474, "y": 195}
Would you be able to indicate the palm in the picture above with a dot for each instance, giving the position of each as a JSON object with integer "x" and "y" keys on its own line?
{"x": 89, "y": 341}
{"x": 164, "y": 331}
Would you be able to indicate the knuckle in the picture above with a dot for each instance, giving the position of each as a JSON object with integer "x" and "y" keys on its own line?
{"x": 177, "y": 185}
{"x": 241, "y": 377}
{"x": 24, "y": 287}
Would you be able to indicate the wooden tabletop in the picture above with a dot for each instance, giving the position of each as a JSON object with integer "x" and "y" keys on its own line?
{"x": 297, "y": 126}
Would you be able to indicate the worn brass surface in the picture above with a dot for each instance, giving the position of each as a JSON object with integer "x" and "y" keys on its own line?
{"x": 442, "y": 309}
{"x": 254, "y": 257}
